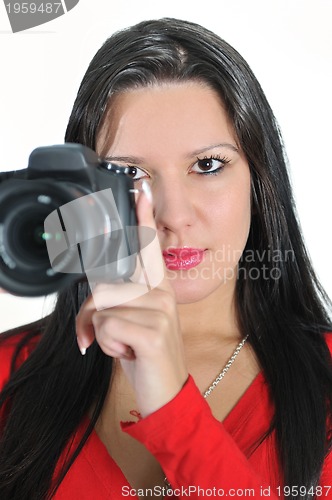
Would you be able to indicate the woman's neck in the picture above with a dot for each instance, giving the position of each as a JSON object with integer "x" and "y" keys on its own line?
{"x": 213, "y": 318}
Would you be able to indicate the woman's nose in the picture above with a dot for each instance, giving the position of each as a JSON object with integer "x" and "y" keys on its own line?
{"x": 174, "y": 206}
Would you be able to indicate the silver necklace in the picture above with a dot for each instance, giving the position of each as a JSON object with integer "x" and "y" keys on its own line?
{"x": 216, "y": 381}
{"x": 226, "y": 368}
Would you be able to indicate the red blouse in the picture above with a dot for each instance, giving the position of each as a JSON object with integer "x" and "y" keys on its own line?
{"x": 201, "y": 456}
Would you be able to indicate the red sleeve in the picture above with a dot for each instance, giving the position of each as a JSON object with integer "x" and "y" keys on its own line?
{"x": 7, "y": 349}
{"x": 194, "y": 449}
{"x": 326, "y": 479}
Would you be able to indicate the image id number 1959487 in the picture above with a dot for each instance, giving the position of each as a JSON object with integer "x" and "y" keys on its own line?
{"x": 33, "y": 8}
{"x": 302, "y": 491}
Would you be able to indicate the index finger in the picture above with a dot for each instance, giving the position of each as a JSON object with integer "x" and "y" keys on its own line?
{"x": 151, "y": 266}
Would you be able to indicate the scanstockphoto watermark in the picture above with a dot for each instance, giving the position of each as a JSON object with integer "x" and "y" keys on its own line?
{"x": 226, "y": 264}
{"x": 194, "y": 491}
{"x": 26, "y": 15}
{"x": 89, "y": 235}
{"x": 258, "y": 492}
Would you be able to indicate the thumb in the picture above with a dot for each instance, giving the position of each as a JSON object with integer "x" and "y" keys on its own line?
{"x": 144, "y": 207}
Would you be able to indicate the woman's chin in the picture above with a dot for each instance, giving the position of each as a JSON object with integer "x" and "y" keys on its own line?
{"x": 190, "y": 287}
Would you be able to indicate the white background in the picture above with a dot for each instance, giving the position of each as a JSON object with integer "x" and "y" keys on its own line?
{"x": 288, "y": 44}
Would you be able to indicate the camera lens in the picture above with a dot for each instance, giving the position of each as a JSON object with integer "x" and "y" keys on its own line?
{"x": 26, "y": 237}
{"x": 25, "y": 267}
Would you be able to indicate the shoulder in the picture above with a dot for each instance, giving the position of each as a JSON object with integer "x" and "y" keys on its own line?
{"x": 8, "y": 347}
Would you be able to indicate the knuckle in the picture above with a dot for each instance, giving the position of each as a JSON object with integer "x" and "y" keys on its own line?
{"x": 159, "y": 333}
{"x": 161, "y": 321}
{"x": 104, "y": 323}
{"x": 154, "y": 342}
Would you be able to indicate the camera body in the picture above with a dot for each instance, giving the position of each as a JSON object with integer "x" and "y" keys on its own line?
{"x": 67, "y": 215}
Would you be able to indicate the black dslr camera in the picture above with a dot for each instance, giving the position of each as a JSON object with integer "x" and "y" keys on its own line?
{"x": 68, "y": 214}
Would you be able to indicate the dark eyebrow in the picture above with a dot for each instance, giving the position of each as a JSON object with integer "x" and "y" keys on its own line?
{"x": 214, "y": 146}
{"x": 125, "y": 159}
{"x": 136, "y": 160}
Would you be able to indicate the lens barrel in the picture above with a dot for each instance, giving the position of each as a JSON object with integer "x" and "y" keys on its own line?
{"x": 25, "y": 267}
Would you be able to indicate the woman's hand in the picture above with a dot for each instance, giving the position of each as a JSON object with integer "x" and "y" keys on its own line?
{"x": 143, "y": 332}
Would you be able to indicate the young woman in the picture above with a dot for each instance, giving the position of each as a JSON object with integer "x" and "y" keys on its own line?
{"x": 218, "y": 380}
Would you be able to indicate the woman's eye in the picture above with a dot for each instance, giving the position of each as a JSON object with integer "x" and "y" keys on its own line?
{"x": 210, "y": 165}
{"x": 136, "y": 173}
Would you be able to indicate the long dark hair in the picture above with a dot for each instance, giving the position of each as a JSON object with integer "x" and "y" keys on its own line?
{"x": 285, "y": 310}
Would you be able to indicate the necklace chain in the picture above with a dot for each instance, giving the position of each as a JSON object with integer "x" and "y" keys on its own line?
{"x": 216, "y": 381}
{"x": 226, "y": 368}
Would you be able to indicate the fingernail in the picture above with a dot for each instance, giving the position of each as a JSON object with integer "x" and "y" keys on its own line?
{"x": 147, "y": 190}
{"x": 81, "y": 349}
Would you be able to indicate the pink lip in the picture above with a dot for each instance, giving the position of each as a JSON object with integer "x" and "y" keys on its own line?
{"x": 182, "y": 258}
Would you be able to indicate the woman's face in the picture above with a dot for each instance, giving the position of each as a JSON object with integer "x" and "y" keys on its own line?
{"x": 180, "y": 140}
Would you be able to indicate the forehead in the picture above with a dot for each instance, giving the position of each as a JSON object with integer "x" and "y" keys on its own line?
{"x": 177, "y": 115}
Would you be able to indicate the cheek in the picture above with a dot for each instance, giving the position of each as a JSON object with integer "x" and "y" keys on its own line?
{"x": 231, "y": 232}
{"x": 230, "y": 216}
